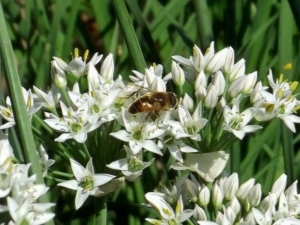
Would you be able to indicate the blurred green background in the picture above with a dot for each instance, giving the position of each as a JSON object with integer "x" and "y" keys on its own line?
{"x": 265, "y": 33}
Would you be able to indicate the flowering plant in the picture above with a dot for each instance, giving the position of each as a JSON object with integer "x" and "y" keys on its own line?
{"x": 93, "y": 126}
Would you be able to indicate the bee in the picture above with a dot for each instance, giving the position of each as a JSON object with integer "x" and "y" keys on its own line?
{"x": 153, "y": 102}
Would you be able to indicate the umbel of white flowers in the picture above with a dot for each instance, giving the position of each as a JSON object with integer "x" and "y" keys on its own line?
{"x": 225, "y": 201}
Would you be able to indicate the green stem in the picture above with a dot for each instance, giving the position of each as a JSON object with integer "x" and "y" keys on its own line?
{"x": 100, "y": 211}
{"x": 65, "y": 96}
{"x": 129, "y": 35}
{"x": 18, "y": 104}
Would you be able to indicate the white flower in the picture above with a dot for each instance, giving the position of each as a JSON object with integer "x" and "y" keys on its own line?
{"x": 74, "y": 124}
{"x": 189, "y": 126}
{"x": 207, "y": 165}
{"x": 77, "y": 67}
{"x": 86, "y": 182}
{"x": 166, "y": 212}
{"x": 47, "y": 100}
{"x": 152, "y": 79}
{"x": 139, "y": 133}
{"x": 24, "y": 212}
{"x": 7, "y": 113}
{"x": 132, "y": 166}
{"x": 236, "y": 122}
{"x": 44, "y": 160}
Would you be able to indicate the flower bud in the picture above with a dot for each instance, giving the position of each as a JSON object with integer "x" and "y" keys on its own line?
{"x": 204, "y": 196}
{"x": 199, "y": 213}
{"x": 209, "y": 53}
{"x": 220, "y": 218}
{"x": 58, "y": 75}
{"x": 229, "y": 61}
{"x": 250, "y": 220}
{"x": 256, "y": 95}
{"x": 279, "y": 185}
{"x": 249, "y": 83}
{"x": 177, "y": 74}
{"x": 192, "y": 190}
{"x": 200, "y": 80}
{"x": 158, "y": 85}
{"x": 236, "y": 86}
{"x": 200, "y": 94}
{"x": 230, "y": 186}
{"x": 199, "y": 61}
{"x": 254, "y": 195}
{"x": 217, "y": 61}
{"x": 188, "y": 102}
{"x": 211, "y": 98}
{"x": 107, "y": 69}
{"x": 219, "y": 82}
{"x": 235, "y": 205}
{"x": 291, "y": 192}
{"x": 220, "y": 105}
{"x": 229, "y": 215}
{"x": 238, "y": 70}
{"x": 217, "y": 196}
{"x": 243, "y": 191}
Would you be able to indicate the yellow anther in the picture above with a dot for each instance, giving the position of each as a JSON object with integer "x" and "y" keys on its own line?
{"x": 288, "y": 66}
{"x": 194, "y": 50}
{"x": 269, "y": 107}
{"x": 279, "y": 93}
{"x": 86, "y": 54}
{"x": 280, "y": 78}
{"x": 76, "y": 53}
{"x": 167, "y": 211}
{"x": 294, "y": 85}
{"x": 296, "y": 108}
{"x": 69, "y": 113}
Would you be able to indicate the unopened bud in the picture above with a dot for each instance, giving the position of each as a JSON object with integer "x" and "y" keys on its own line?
{"x": 238, "y": 70}
{"x": 199, "y": 61}
{"x": 249, "y": 83}
{"x": 188, "y": 102}
{"x": 199, "y": 213}
{"x": 219, "y": 82}
{"x": 229, "y": 61}
{"x": 58, "y": 75}
{"x": 177, "y": 74}
{"x": 236, "y": 86}
{"x": 217, "y": 196}
{"x": 243, "y": 191}
{"x": 235, "y": 205}
{"x": 254, "y": 195}
{"x": 211, "y": 98}
{"x": 279, "y": 185}
{"x": 204, "y": 196}
{"x": 217, "y": 61}
{"x": 230, "y": 186}
{"x": 192, "y": 190}
{"x": 107, "y": 68}
{"x": 200, "y": 80}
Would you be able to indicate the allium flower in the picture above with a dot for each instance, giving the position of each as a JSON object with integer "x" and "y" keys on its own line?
{"x": 74, "y": 124}
{"x": 166, "y": 211}
{"x": 139, "y": 133}
{"x": 132, "y": 166}
{"x": 236, "y": 122}
{"x": 189, "y": 126}
{"x": 77, "y": 67}
{"x": 44, "y": 160}
{"x": 86, "y": 182}
{"x": 7, "y": 113}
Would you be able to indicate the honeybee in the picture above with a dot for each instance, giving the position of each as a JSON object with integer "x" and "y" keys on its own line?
{"x": 153, "y": 102}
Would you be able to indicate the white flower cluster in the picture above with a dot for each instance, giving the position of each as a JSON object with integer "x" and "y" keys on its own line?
{"x": 18, "y": 191}
{"x": 195, "y": 127}
{"x": 225, "y": 201}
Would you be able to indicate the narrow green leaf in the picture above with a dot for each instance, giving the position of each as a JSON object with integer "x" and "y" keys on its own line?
{"x": 18, "y": 104}
{"x": 129, "y": 35}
